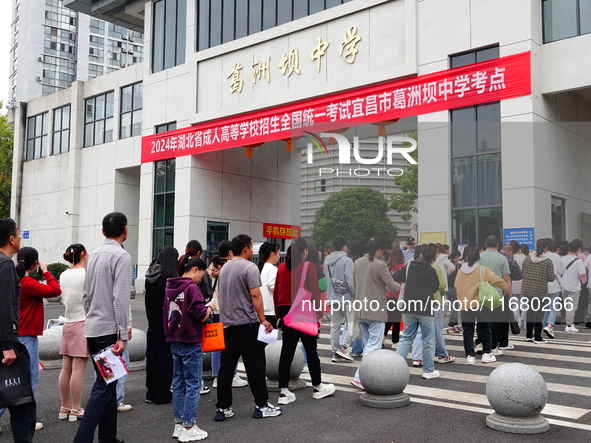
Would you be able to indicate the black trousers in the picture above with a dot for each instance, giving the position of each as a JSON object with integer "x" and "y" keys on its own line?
{"x": 534, "y": 323}
{"x": 101, "y": 409}
{"x": 158, "y": 367}
{"x": 500, "y": 326}
{"x": 288, "y": 348}
{"x": 242, "y": 341}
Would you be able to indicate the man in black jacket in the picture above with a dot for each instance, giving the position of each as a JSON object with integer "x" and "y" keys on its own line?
{"x": 421, "y": 283}
{"x": 22, "y": 417}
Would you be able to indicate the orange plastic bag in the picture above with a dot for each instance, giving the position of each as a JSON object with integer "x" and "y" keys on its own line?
{"x": 213, "y": 337}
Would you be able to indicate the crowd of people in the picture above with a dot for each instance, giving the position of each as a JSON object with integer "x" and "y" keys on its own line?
{"x": 407, "y": 291}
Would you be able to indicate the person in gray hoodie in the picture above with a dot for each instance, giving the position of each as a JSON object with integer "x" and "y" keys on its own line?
{"x": 340, "y": 292}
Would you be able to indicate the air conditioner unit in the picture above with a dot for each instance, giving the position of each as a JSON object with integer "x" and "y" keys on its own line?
{"x": 40, "y": 58}
{"x": 124, "y": 37}
{"x": 124, "y": 65}
{"x": 38, "y": 78}
{"x": 130, "y": 51}
{"x": 131, "y": 39}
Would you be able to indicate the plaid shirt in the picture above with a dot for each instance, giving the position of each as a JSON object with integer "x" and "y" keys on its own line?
{"x": 536, "y": 277}
{"x": 516, "y": 273}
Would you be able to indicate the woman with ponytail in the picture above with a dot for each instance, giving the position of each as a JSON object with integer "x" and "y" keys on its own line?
{"x": 371, "y": 278}
{"x": 31, "y": 306}
{"x": 538, "y": 271}
{"x": 289, "y": 276}
{"x": 74, "y": 347}
{"x": 268, "y": 258}
{"x": 185, "y": 312}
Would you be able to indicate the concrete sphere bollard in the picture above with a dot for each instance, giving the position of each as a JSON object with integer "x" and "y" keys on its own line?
{"x": 49, "y": 344}
{"x": 272, "y": 354}
{"x": 137, "y": 345}
{"x": 384, "y": 375}
{"x": 517, "y": 393}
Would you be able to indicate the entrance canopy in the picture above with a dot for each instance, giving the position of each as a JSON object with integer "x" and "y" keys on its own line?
{"x": 488, "y": 81}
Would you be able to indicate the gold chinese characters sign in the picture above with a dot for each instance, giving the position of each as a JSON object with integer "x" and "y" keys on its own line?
{"x": 290, "y": 62}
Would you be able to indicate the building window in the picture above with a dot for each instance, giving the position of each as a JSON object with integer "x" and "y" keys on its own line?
{"x": 566, "y": 18}
{"x": 222, "y": 21}
{"x": 61, "y": 130}
{"x": 168, "y": 34}
{"x": 96, "y": 49}
{"x": 98, "y": 119}
{"x": 94, "y": 70}
{"x": 320, "y": 185}
{"x": 97, "y": 26}
{"x": 216, "y": 233}
{"x": 37, "y": 143}
{"x": 165, "y": 127}
{"x": 558, "y": 219}
{"x": 131, "y": 110}
{"x": 163, "y": 233}
{"x": 476, "y": 188}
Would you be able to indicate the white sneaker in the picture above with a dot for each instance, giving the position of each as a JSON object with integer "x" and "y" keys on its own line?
{"x": 122, "y": 407}
{"x": 305, "y": 369}
{"x": 178, "y": 428}
{"x": 488, "y": 358}
{"x": 237, "y": 382}
{"x": 286, "y": 399}
{"x": 342, "y": 352}
{"x": 38, "y": 426}
{"x": 215, "y": 383}
{"x": 470, "y": 360}
{"x": 498, "y": 351}
{"x": 204, "y": 390}
{"x": 549, "y": 331}
{"x": 571, "y": 329}
{"x": 326, "y": 390}
{"x": 193, "y": 434}
{"x": 266, "y": 411}
{"x": 429, "y": 375}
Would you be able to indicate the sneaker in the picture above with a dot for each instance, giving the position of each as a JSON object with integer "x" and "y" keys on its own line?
{"x": 356, "y": 355}
{"x": 193, "y": 434}
{"x": 529, "y": 339}
{"x": 326, "y": 390}
{"x": 549, "y": 331}
{"x": 509, "y": 347}
{"x": 342, "y": 352}
{"x": 479, "y": 350}
{"x": 122, "y": 407}
{"x": 222, "y": 414}
{"x": 448, "y": 359}
{"x": 38, "y": 426}
{"x": 306, "y": 369}
{"x": 541, "y": 341}
{"x": 497, "y": 351}
{"x": 357, "y": 384}
{"x": 266, "y": 411}
{"x": 237, "y": 382}
{"x": 205, "y": 390}
{"x": 470, "y": 360}
{"x": 571, "y": 329}
{"x": 338, "y": 359}
{"x": 178, "y": 428}
{"x": 488, "y": 358}
{"x": 429, "y": 375}
{"x": 417, "y": 363}
{"x": 215, "y": 383}
{"x": 286, "y": 399}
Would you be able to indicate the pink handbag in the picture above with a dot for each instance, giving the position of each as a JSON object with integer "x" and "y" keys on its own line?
{"x": 301, "y": 316}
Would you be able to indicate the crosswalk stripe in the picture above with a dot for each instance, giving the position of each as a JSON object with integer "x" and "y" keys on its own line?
{"x": 564, "y": 345}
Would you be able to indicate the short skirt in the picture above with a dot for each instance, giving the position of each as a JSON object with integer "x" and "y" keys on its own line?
{"x": 73, "y": 340}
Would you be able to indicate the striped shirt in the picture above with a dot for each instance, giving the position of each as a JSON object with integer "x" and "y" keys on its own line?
{"x": 107, "y": 289}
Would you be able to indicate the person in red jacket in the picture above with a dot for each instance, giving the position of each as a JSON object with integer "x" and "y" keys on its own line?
{"x": 287, "y": 283}
{"x": 31, "y": 306}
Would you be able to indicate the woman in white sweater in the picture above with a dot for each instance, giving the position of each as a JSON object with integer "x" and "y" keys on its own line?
{"x": 268, "y": 258}
{"x": 73, "y": 347}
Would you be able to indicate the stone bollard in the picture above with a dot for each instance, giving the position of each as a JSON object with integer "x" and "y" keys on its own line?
{"x": 272, "y": 354}
{"x": 517, "y": 393}
{"x": 137, "y": 345}
{"x": 384, "y": 375}
{"x": 49, "y": 344}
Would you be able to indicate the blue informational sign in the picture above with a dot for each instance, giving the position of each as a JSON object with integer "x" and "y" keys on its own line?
{"x": 522, "y": 235}
{"x": 26, "y": 235}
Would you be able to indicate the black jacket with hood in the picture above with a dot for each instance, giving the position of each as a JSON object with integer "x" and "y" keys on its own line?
{"x": 422, "y": 283}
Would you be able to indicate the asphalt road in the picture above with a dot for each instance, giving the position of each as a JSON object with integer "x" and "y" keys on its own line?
{"x": 451, "y": 408}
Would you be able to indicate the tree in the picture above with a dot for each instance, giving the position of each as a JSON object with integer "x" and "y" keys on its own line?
{"x": 405, "y": 202}
{"x": 352, "y": 213}
{"x": 6, "y": 146}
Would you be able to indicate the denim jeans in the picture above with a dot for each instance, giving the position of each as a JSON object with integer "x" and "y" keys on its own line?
{"x": 372, "y": 333}
{"x": 337, "y": 317}
{"x": 121, "y": 381}
{"x": 440, "y": 348}
{"x": 186, "y": 381}
{"x": 550, "y": 313}
{"x": 32, "y": 345}
{"x": 484, "y": 330}
{"x": 101, "y": 408}
{"x": 411, "y": 326}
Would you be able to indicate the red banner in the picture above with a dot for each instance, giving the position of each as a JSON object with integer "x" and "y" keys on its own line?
{"x": 493, "y": 80}
{"x": 273, "y": 230}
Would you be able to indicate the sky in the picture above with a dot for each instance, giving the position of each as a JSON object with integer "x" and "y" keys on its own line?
{"x": 5, "y": 37}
